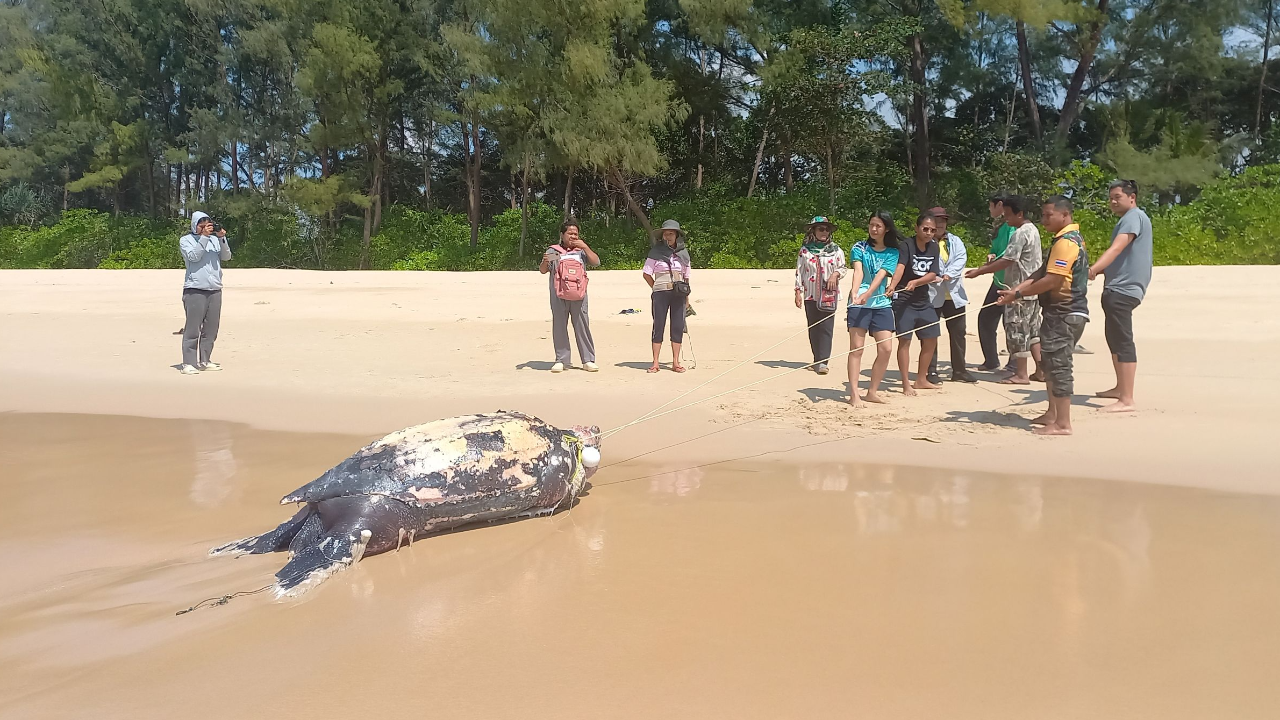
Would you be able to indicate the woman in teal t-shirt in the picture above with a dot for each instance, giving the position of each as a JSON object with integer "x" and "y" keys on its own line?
{"x": 874, "y": 262}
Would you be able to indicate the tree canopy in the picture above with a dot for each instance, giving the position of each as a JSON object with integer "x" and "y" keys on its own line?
{"x": 325, "y": 114}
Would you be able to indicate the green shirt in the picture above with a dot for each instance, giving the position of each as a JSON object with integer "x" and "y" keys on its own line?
{"x": 998, "y": 246}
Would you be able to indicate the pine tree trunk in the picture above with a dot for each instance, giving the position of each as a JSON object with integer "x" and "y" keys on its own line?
{"x": 476, "y": 156}
{"x": 378, "y": 151}
{"x": 1072, "y": 101}
{"x": 1262, "y": 81}
{"x": 702, "y": 118}
{"x": 235, "y": 166}
{"x": 368, "y": 233}
{"x": 568, "y": 195}
{"x": 151, "y": 186}
{"x": 831, "y": 180}
{"x": 764, "y": 138}
{"x": 372, "y": 215}
{"x": 787, "y": 163}
{"x": 702, "y": 130}
{"x": 426, "y": 163}
{"x": 524, "y": 202}
{"x": 1028, "y": 82}
{"x": 920, "y": 120}
{"x": 631, "y": 202}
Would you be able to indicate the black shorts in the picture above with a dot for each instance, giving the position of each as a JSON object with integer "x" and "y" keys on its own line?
{"x": 914, "y": 321}
{"x": 1119, "y": 308}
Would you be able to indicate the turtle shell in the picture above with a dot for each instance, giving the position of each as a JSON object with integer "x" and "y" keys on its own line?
{"x": 457, "y": 460}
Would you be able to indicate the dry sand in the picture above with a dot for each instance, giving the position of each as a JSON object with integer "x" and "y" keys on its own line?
{"x": 794, "y": 558}
{"x": 370, "y": 352}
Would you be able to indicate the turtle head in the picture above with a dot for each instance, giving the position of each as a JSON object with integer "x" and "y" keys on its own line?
{"x": 590, "y": 437}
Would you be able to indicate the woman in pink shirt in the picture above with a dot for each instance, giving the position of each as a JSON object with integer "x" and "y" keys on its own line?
{"x": 667, "y": 272}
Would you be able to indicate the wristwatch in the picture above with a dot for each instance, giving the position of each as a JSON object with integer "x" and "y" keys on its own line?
{"x": 1017, "y": 294}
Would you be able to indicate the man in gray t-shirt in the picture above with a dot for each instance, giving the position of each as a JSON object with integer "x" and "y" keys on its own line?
{"x": 1127, "y": 265}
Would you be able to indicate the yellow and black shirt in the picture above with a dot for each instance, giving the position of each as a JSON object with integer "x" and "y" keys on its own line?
{"x": 1068, "y": 259}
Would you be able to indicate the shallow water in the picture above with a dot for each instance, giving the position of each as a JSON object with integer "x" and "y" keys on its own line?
{"x": 745, "y": 591}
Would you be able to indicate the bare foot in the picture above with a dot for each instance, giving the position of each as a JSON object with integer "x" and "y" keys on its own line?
{"x": 909, "y": 391}
{"x": 1113, "y": 393}
{"x": 1044, "y": 419}
{"x": 653, "y": 368}
{"x": 874, "y": 398}
{"x": 1119, "y": 406}
{"x": 1015, "y": 380}
{"x": 926, "y": 385}
{"x": 1051, "y": 430}
{"x": 857, "y": 402}
{"x": 1037, "y": 376}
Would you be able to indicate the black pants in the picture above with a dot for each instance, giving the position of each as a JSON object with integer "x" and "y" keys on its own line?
{"x": 956, "y": 328}
{"x": 820, "y": 334}
{"x": 1118, "y": 309}
{"x": 670, "y": 301}
{"x": 988, "y": 325}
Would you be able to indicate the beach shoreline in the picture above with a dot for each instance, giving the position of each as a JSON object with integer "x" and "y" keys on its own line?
{"x": 370, "y": 352}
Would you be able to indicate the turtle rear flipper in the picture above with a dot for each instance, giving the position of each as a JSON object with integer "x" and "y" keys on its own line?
{"x": 325, "y": 555}
{"x": 274, "y": 541}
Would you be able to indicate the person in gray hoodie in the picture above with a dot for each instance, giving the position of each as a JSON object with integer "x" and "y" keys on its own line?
{"x": 203, "y": 252}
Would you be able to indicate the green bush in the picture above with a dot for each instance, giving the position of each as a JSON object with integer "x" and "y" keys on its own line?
{"x": 1229, "y": 223}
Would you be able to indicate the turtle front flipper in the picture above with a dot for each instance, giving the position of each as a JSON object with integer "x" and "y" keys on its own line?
{"x": 274, "y": 541}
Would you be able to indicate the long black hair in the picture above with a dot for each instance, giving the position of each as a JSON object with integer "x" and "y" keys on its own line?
{"x": 892, "y": 238}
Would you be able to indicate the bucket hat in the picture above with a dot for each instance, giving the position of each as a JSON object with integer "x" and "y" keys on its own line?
{"x": 822, "y": 220}
{"x": 669, "y": 225}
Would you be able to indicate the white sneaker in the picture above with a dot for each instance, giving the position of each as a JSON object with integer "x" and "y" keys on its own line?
{"x": 557, "y": 368}
{"x": 211, "y": 367}
{"x": 189, "y": 370}
{"x": 591, "y": 367}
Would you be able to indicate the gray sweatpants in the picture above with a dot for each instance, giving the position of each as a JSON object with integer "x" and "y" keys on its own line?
{"x": 204, "y": 312}
{"x": 562, "y": 311}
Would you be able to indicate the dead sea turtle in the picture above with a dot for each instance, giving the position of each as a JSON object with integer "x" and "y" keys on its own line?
{"x": 427, "y": 478}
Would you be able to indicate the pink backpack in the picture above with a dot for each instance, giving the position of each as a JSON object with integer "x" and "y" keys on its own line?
{"x": 570, "y": 276}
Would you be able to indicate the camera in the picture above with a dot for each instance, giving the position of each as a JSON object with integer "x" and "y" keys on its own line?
{"x": 217, "y": 228}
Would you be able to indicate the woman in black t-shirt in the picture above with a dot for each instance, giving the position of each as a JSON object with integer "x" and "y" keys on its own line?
{"x": 913, "y": 311}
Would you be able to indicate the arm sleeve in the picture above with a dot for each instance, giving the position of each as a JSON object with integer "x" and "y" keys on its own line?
{"x": 1130, "y": 224}
{"x": 799, "y": 264}
{"x": 956, "y": 260}
{"x": 225, "y": 253}
{"x": 1062, "y": 257}
{"x": 1011, "y": 250}
{"x": 648, "y": 266}
{"x": 191, "y": 248}
{"x": 937, "y": 263}
{"x": 842, "y": 265}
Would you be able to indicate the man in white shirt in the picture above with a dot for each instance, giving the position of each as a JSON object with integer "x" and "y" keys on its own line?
{"x": 949, "y": 298}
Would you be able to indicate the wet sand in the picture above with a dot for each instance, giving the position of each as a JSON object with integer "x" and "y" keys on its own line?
{"x": 741, "y": 589}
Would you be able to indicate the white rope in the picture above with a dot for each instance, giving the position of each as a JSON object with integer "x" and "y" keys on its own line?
{"x": 687, "y": 393}
{"x": 654, "y": 414}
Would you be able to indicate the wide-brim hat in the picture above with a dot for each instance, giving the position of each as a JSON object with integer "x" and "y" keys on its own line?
{"x": 668, "y": 225}
{"x": 939, "y": 212}
{"x": 822, "y": 220}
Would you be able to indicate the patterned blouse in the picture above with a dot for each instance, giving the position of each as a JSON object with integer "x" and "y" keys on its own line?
{"x": 830, "y": 261}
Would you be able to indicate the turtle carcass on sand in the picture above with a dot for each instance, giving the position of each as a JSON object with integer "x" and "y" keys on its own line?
{"x": 427, "y": 478}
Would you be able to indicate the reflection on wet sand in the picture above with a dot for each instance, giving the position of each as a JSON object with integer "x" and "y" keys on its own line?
{"x": 215, "y": 463}
{"x": 751, "y": 591}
